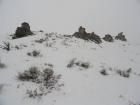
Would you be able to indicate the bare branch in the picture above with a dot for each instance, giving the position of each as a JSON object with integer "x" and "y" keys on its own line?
{"x": 6, "y": 46}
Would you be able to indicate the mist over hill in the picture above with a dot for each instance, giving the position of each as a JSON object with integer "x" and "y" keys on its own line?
{"x": 102, "y": 17}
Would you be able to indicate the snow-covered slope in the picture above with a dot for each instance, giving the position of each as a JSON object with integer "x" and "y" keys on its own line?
{"x": 81, "y": 86}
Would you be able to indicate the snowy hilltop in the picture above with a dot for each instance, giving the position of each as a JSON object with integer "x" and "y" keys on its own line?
{"x": 50, "y": 68}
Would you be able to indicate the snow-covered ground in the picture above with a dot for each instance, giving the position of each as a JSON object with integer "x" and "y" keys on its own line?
{"x": 81, "y": 86}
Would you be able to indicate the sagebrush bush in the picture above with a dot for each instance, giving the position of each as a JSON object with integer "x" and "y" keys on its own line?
{"x": 103, "y": 72}
{"x": 71, "y": 63}
{"x": 49, "y": 64}
{"x": 34, "y": 94}
{"x": 45, "y": 77}
{"x": 1, "y": 86}
{"x": 2, "y": 65}
{"x": 24, "y": 45}
{"x": 30, "y": 74}
{"x": 29, "y": 53}
{"x": 85, "y": 65}
{"x": 48, "y": 72}
{"x": 82, "y": 64}
{"x": 48, "y": 44}
{"x": 78, "y": 63}
{"x": 123, "y": 73}
{"x": 129, "y": 70}
{"x": 17, "y": 47}
{"x": 41, "y": 40}
{"x": 34, "y": 53}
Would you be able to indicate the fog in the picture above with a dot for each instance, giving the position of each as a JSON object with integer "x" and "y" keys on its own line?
{"x": 65, "y": 16}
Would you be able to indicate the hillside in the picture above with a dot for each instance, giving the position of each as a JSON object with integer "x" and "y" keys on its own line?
{"x": 81, "y": 85}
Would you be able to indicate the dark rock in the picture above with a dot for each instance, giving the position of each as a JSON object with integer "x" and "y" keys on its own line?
{"x": 87, "y": 36}
{"x": 94, "y": 37}
{"x": 76, "y": 34}
{"x": 108, "y": 38}
{"x": 41, "y": 31}
{"x": 121, "y": 37}
{"x": 23, "y": 31}
{"x": 81, "y": 33}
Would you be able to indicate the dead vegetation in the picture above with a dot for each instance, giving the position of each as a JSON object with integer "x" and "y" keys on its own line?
{"x": 124, "y": 73}
{"x": 34, "y": 53}
{"x": 2, "y": 65}
{"x": 41, "y": 40}
{"x": 6, "y": 46}
{"x": 45, "y": 77}
{"x": 78, "y": 63}
{"x": 103, "y": 71}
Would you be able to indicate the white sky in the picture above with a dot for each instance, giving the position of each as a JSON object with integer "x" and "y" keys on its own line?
{"x": 65, "y": 16}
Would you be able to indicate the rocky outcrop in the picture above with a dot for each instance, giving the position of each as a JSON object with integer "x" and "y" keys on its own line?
{"x": 108, "y": 38}
{"x": 87, "y": 36}
{"x": 121, "y": 37}
{"x": 95, "y": 38}
{"x": 81, "y": 33}
{"x": 23, "y": 31}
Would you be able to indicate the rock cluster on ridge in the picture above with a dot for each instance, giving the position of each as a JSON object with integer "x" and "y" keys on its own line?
{"x": 108, "y": 38}
{"x": 121, "y": 37}
{"x": 87, "y": 36}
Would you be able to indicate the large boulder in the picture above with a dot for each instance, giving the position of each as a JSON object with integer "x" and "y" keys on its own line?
{"x": 95, "y": 38}
{"x": 23, "y": 31}
{"x": 121, "y": 37}
{"x": 108, "y": 38}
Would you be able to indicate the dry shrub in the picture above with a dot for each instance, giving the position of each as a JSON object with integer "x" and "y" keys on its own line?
{"x": 34, "y": 53}
{"x": 79, "y": 63}
{"x": 6, "y": 46}
{"x": 2, "y": 65}
{"x": 124, "y": 73}
{"x": 34, "y": 94}
{"x": 85, "y": 65}
{"x": 30, "y": 74}
{"x": 41, "y": 40}
{"x": 1, "y": 86}
{"x": 45, "y": 77}
{"x": 71, "y": 63}
{"x": 103, "y": 72}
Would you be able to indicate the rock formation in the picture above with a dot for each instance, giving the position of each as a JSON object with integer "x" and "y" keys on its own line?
{"x": 87, "y": 36}
{"x": 81, "y": 33}
{"x": 23, "y": 31}
{"x": 121, "y": 37}
{"x": 108, "y": 38}
{"x": 95, "y": 38}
